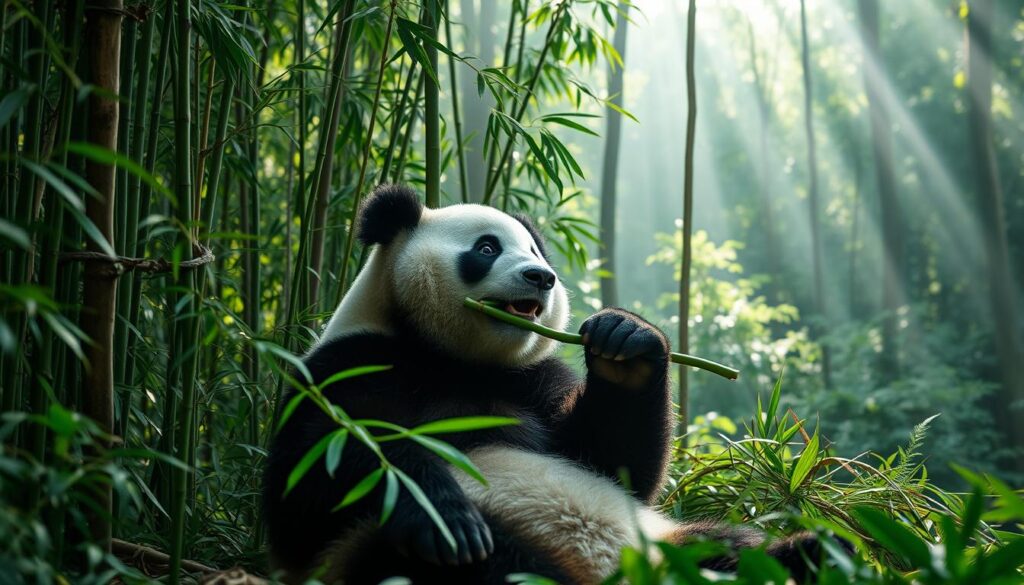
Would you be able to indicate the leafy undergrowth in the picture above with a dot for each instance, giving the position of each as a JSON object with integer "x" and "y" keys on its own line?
{"x": 783, "y": 478}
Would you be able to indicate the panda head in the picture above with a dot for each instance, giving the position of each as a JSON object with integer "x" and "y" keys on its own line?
{"x": 426, "y": 261}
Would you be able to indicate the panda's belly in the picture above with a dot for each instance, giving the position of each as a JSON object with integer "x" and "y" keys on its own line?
{"x": 582, "y": 519}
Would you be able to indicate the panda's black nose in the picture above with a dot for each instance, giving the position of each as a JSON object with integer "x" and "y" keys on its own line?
{"x": 541, "y": 278}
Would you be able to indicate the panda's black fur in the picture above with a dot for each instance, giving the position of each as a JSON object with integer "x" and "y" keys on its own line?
{"x": 594, "y": 425}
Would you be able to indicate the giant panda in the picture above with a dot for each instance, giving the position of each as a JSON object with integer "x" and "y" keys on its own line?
{"x": 554, "y": 504}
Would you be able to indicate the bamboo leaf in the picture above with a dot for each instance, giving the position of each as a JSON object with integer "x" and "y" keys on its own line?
{"x": 109, "y": 157}
{"x": 390, "y": 495}
{"x": 360, "y": 490}
{"x": 462, "y": 424}
{"x": 306, "y": 463}
{"x": 289, "y": 409}
{"x": 13, "y": 102}
{"x": 424, "y": 502}
{"x": 893, "y": 535}
{"x": 14, "y": 234}
{"x": 351, "y": 373}
{"x": 334, "y": 451}
{"x": 451, "y": 455}
{"x": 804, "y": 464}
{"x": 570, "y": 124}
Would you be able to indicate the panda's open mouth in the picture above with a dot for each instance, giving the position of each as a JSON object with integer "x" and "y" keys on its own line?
{"x": 524, "y": 308}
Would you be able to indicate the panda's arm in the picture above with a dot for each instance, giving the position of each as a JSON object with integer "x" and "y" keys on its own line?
{"x": 620, "y": 417}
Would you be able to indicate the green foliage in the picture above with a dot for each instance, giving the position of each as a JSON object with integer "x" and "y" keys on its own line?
{"x": 41, "y": 500}
{"x": 260, "y": 110}
{"x": 905, "y": 528}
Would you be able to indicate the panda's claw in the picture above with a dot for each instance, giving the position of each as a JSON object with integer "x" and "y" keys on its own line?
{"x": 466, "y": 552}
{"x": 476, "y": 545}
{"x": 452, "y": 556}
{"x": 485, "y": 533}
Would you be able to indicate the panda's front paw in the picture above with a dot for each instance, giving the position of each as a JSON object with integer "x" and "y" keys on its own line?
{"x": 624, "y": 349}
{"x": 415, "y": 534}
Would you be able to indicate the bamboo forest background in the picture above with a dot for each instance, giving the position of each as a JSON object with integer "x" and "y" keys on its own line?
{"x": 178, "y": 180}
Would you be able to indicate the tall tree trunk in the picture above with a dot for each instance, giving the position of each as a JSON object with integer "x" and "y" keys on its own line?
{"x": 610, "y": 172}
{"x": 763, "y": 93}
{"x": 684, "y": 278}
{"x": 888, "y": 204}
{"x": 103, "y": 39}
{"x": 813, "y": 201}
{"x": 989, "y": 194}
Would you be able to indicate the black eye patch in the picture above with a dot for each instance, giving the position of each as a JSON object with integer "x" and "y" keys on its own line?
{"x": 475, "y": 263}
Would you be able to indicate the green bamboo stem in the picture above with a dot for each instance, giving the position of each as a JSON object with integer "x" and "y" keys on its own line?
{"x": 397, "y": 120}
{"x": 137, "y": 190}
{"x": 185, "y": 331}
{"x": 351, "y": 236}
{"x": 324, "y": 163}
{"x": 43, "y": 360}
{"x": 460, "y": 152}
{"x": 577, "y": 339}
{"x": 431, "y": 116}
{"x": 403, "y": 154}
{"x": 494, "y": 173}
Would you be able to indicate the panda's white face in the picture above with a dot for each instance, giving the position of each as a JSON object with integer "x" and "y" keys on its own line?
{"x": 478, "y": 252}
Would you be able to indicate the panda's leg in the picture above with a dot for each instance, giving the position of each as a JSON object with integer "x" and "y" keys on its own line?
{"x": 371, "y": 559}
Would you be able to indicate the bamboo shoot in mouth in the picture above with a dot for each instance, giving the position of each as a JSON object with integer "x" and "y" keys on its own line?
{"x": 577, "y": 339}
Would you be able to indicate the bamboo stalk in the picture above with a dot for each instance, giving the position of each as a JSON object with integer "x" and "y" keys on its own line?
{"x": 103, "y": 45}
{"x": 204, "y": 135}
{"x": 521, "y": 47}
{"x": 684, "y": 277}
{"x": 460, "y": 150}
{"x": 396, "y": 122}
{"x": 32, "y": 131}
{"x": 124, "y": 210}
{"x": 43, "y": 360}
{"x": 431, "y": 115}
{"x": 129, "y": 38}
{"x": 325, "y": 159}
{"x": 494, "y": 173}
{"x": 577, "y": 339}
{"x": 350, "y": 238}
{"x": 143, "y": 58}
{"x": 403, "y": 153}
{"x": 139, "y": 191}
{"x": 185, "y": 331}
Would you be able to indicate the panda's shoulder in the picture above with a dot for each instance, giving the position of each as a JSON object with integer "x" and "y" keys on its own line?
{"x": 350, "y": 351}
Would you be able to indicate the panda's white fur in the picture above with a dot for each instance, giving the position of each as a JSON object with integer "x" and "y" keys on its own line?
{"x": 578, "y": 518}
{"x": 416, "y": 273}
{"x": 582, "y": 519}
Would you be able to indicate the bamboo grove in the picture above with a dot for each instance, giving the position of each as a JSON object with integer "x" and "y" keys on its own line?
{"x": 179, "y": 181}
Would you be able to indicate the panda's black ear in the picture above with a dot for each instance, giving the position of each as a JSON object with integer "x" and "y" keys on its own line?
{"x": 386, "y": 212}
{"x": 537, "y": 237}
